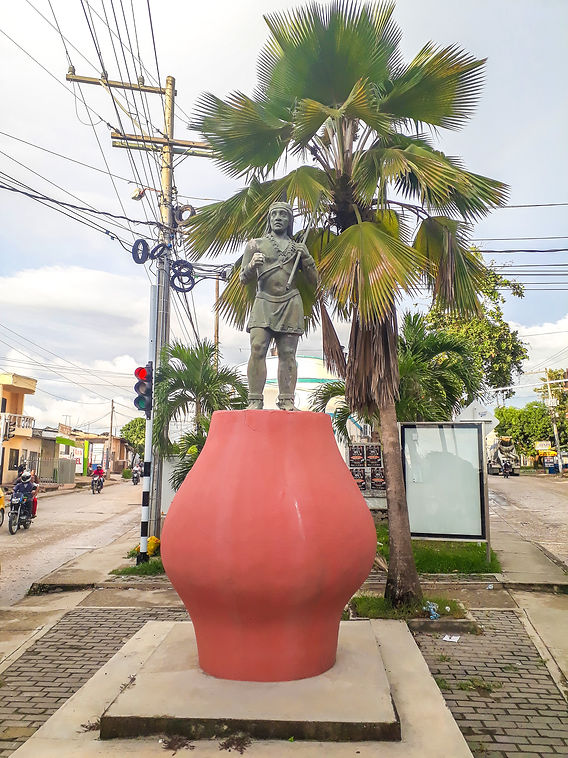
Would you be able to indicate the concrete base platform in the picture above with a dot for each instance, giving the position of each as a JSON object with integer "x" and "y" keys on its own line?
{"x": 428, "y": 729}
{"x": 351, "y": 701}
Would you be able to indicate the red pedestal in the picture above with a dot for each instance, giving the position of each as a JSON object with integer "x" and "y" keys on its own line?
{"x": 265, "y": 541}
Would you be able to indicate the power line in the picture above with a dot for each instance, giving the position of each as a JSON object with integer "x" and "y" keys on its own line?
{"x": 66, "y": 157}
{"x": 61, "y": 358}
{"x": 516, "y": 239}
{"x": 47, "y": 71}
{"x": 67, "y": 192}
{"x": 546, "y": 250}
{"x": 38, "y": 196}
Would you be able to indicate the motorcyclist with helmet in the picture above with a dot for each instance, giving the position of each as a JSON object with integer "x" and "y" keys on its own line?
{"x": 25, "y": 486}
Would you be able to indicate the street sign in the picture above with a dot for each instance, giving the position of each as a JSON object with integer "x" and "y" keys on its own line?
{"x": 543, "y": 445}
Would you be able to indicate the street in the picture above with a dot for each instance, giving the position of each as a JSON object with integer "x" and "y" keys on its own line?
{"x": 66, "y": 526}
{"x": 535, "y": 507}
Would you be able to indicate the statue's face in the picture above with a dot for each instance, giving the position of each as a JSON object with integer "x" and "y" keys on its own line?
{"x": 279, "y": 219}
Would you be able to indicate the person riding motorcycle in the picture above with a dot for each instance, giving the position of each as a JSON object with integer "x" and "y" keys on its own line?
{"x": 136, "y": 473}
{"x": 507, "y": 469}
{"x": 25, "y": 486}
{"x": 100, "y": 472}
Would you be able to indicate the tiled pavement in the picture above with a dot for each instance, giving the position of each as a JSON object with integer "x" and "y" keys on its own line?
{"x": 514, "y": 709}
{"x": 523, "y": 715}
{"x": 59, "y": 663}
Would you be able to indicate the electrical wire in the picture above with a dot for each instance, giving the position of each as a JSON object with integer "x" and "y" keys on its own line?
{"x": 516, "y": 239}
{"x": 87, "y": 389}
{"x": 67, "y": 192}
{"x": 92, "y": 30}
{"x": 47, "y": 71}
{"x": 60, "y": 357}
{"x": 35, "y": 195}
{"x": 65, "y": 157}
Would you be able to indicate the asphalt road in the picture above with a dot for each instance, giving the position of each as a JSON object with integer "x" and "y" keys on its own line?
{"x": 536, "y": 507}
{"x": 66, "y": 526}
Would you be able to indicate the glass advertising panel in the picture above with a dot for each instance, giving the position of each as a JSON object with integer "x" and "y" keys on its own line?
{"x": 443, "y": 466}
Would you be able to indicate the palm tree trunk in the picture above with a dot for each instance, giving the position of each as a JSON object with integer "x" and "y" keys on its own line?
{"x": 402, "y": 585}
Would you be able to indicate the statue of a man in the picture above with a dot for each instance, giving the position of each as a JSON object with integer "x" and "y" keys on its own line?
{"x": 277, "y": 312}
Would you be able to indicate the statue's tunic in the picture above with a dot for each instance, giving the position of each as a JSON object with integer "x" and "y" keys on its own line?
{"x": 281, "y": 313}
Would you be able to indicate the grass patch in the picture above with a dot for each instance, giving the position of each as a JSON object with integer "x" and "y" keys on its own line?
{"x": 479, "y": 685}
{"x": 377, "y": 607}
{"x": 510, "y": 667}
{"x": 442, "y": 683}
{"x": 444, "y": 658}
{"x": 153, "y": 567}
{"x": 444, "y": 557}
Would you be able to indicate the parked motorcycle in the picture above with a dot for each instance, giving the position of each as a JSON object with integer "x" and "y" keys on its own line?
{"x": 20, "y": 513}
{"x": 96, "y": 484}
{"x": 135, "y": 477}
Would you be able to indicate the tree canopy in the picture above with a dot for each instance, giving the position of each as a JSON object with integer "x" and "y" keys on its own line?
{"x": 498, "y": 349}
{"x": 134, "y": 432}
{"x": 439, "y": 374}
{"x": 529, "y": 425}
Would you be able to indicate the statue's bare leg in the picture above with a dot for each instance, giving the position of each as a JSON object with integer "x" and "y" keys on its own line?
{"x": 256, "y": 371}
{"x": 287, "y": 344}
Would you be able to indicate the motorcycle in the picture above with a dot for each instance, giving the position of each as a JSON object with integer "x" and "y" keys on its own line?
{"x": 135, "y": 477}
{"x": 20, "y": 513}
{"x": 96, "y": 484}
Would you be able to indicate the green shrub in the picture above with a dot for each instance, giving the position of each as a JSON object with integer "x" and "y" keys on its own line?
{"x": 127, "y": 473}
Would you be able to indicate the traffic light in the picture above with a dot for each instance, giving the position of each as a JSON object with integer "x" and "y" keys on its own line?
{"x": 10, "y": 427}
{"x": 143, "y": 389}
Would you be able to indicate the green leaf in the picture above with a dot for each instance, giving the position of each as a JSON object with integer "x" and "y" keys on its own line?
{"x": 227, "y": 225}
{"x": 365, "y": 267}
{"x": 454, "y": 273}
{"x": 439, "y": 87}
{"x": 244, "y": 133}
{"x": 321, "y": 51}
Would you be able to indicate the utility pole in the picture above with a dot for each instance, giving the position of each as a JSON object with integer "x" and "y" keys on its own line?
{"x": 110, "y": 433}
{"x": 216, "y": 337}
{"x": 551, "y": 407}
{"x": 167, "y": 146}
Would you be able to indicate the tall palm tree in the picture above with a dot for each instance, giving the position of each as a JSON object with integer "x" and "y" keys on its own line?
{"x": 439, "y": 374}
{"x": 334, "y": 92}
{"x": 189, "y": 382}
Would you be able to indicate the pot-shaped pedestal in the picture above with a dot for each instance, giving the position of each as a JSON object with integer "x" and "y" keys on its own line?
{"x": 265, "y": 542}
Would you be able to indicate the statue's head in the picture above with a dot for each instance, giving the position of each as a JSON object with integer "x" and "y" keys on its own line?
{"x": 276, "y": 209}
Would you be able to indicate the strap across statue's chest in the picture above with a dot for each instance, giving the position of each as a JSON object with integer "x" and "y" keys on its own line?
{"x": 273, "y": 260}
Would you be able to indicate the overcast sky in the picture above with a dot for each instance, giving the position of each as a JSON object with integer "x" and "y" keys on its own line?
{"x": 72, "y": 295}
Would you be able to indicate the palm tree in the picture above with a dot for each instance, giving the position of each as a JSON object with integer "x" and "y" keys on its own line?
{"x": 334, "y": 92}
{"x": 188, "y": 449}
{"x": 188, "y": 381}
{"x": 439, "y": 374}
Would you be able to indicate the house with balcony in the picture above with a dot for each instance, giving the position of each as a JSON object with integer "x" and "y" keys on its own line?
{"x": 16, "y": 428}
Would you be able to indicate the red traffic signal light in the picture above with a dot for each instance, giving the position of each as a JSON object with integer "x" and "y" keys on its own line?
{"x": 143, "y": 389}
{"x": 142, "y": 373}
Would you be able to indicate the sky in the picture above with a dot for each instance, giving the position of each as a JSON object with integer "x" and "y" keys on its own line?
{"x": 72, "y": 300}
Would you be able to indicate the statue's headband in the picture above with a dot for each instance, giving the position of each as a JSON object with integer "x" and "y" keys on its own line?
{"x": 281, "y": 206}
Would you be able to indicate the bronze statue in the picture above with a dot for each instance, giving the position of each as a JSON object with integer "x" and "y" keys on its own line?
{"x": 277, "y": 312}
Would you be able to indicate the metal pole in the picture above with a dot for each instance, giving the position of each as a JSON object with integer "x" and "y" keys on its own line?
{"x": 110, "y": 435}
{"x": 216, "y": 338}
{"x": 146, "y": 474}
{"x": 556, "y": 437}
{"x": 163, "y": 270}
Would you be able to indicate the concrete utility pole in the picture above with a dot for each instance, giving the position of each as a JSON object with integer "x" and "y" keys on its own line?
{"x": 551, "y": 407}
{"x": 163, "y": 311}
{"x": 110, "y": 434}
{"x": 216, "y": 337}
{"x": 167, "y": 146}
